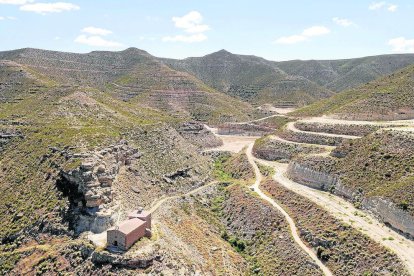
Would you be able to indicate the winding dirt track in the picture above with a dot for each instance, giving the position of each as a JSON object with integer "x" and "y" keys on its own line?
{"x": 336, "y": 206}
{"x": 328, "y": 120}
{"x": 346, "y": 212}
{"x": 161, "y": 201}
{"x": 292, "y": 225}
{"x": 291, "y": 126}
{"x": 100, "y": 239}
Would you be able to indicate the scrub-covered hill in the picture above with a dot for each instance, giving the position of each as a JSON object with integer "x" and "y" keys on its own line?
{"x": 387, "y": 98}
{"x": 134, "y": 76}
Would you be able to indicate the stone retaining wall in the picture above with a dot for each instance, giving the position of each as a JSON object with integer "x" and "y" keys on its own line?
{"x": 310, "y": 138}
{"x": 244, "y": 130}
{"x": 312, "y": 178}
{"x": 383, "y": 209}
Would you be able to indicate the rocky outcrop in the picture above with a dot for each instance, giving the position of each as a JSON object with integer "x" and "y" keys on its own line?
{"x": 243, "y": 129}
{"x": 197, "y": 134}
{"x": 7, "y": 134}
{"x": 89, "y": 186}
{"x": 104, "y": 257}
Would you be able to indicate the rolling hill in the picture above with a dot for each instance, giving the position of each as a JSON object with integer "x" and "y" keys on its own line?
{"x": 296, "y": 82}
{"x": 339, "y": 75}
{"x": 87, "y": 138}
{"x": 387, "y": 98}
{"x": 134, "y": 76}
{"x": 251, "y": 79}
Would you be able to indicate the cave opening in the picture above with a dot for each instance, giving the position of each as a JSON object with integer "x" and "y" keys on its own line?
{"x": 76, "y": 200}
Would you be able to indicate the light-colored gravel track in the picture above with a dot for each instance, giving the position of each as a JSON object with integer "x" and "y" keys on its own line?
{"x": 291, "y": 126}
{"x": 336, "y": 206}
{"x": 293, "y": 229}
{"x": 345, "y": 211}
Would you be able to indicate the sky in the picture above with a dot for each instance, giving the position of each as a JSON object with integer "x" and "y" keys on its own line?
{"x": 273, "y": 29}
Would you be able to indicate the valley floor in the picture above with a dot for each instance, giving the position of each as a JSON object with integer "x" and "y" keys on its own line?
{"x": 335, "y": 205}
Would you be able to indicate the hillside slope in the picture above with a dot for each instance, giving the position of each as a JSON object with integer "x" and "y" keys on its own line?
{"x": 250, "y": 78}
{"x": 339, "y": 75}
{"x": 53, "y": 139}
{"x": 134, "y": 75}
{"x": 296, "y": 82}
{"x": 387, "y": 98}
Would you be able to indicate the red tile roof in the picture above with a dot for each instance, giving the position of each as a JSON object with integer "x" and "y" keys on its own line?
{"x": 129, "y": 225}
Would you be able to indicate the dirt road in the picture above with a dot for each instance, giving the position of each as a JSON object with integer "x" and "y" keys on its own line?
{"x": 161, "y": 201}
{"x": 292, "y": 225}
{"x": 100, "y": 238}
{"x": 338, "y": 207}
{"x": 291, "y": 126}
{"x": 345, "y": 211}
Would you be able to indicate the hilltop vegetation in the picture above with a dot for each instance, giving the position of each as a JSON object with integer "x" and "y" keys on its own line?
{"x": 387, "y": 159}
{"x": 85, "y": 138}
{"x": 388, "y": 98}
{"x": 251, "y": 79}
{"x": 377, "y": 165}
{"x": 339, "y": 75}
{"x": 135, "y": 77}
{"x": 296, "y": 82}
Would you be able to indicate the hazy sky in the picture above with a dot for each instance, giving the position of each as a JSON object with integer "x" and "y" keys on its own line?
{"x": 276, "y": 30}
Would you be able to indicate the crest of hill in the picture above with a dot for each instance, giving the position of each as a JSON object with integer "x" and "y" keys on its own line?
{"x": 299, "y": 82}
{"x": 387, "y": 98}
{"x": 134, "y": 76}
{"x": 94, "y": 68}
{"x": 339, "y": 75}
{"x": 250, "y": 78}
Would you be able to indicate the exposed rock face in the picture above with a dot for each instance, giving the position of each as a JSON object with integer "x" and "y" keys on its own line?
{"x": 101, "y": 258}
{"x": 390, "y": 214}
{"x": 312, "y": 178}
{"x": 244, "y": 129}
{"x": 93, "y": 180}
{"x": 197, "y": 134}
{"x": 383, "y": 209}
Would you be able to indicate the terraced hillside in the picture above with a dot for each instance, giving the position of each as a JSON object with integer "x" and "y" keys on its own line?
{"x": 250, "y": 78}
{"x": 135, "y": 76}
{"x": 339, "y": 75}
{"x": 87, "y": 138}
{"x": 73, "y": 158}
{"x": 374, "y": 172}
{"x": 296, "y": 82}
{"x": 388, "y": 98}
{"x": 386, "y": 157}
{"x": 331, "y": 238}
